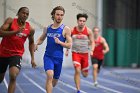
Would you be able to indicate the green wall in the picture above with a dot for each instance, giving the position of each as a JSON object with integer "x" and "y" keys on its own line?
{"x": 124, "y": 47}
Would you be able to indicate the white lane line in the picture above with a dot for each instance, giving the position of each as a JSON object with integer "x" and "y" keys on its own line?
{"x": 117, "y": 83}
{"x": 127, "y": 71}
{"x": 100, "y": 86}
{"x": 34, "y": 83}
{"x": 61, "y": 90}
{"x": 63, "y": 83}
{"x": 20, "y": 89}
{"x": 119, "y": 74}
{"x": 42, "y": 79}
{"x": 5, "y": 82}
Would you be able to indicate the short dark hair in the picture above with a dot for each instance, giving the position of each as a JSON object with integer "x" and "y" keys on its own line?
{"x": 57, "y": 8}
{"x": 21, "y": 9}
{"x": 82, "y": 15}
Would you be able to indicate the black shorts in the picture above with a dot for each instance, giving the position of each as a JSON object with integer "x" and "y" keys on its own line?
{"x": 97, "y": 61}
{"x": 9, "y": 61}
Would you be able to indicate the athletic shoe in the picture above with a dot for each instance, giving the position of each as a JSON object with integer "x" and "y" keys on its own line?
{"x": 78, "y": 91}
{"x": 95, "y": 83}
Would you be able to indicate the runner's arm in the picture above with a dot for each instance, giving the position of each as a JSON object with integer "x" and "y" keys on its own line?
{"x": 4, "y": 29}
{"x": 31, "y": 46}
{"x": 106, "y": 47}
{"x": 67, "y": 35}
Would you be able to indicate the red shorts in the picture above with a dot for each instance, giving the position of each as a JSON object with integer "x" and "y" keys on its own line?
{"x": 80, "y": 60}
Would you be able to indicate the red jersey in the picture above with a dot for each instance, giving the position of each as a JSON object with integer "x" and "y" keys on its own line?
{"x": 85, "y": 32}
{"x": 80, "y": 40}
{"x": 14, "y": 45}
{"x": 98, "y": 51}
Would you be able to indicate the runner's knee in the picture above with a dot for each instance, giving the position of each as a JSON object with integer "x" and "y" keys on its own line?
{"x": 13, "y": 76}
{"x": 85, "y": 74}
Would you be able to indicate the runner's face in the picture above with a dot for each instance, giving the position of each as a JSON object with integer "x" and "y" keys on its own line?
{"x": 23, "y": 14}
{"x": 58, "y": 17}
{"x": 81, "y": 22}
{"x": 96, "y": 31}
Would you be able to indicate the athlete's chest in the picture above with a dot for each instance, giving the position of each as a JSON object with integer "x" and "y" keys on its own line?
{"x": 80, "y": 36}
{"x": 23, "y": 34}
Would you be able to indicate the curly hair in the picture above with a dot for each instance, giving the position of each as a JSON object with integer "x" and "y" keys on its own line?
{"x": 54, "y": 10}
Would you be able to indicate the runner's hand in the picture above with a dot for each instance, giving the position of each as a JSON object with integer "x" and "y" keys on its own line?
{"x": 33, "y": 64}
{"x": 66, "y": 52}
{"x": 91, "y": 52}
{"x": 20, "y": 30}
{"x": 57, "y": 40}
{"x": 35, "y": 47}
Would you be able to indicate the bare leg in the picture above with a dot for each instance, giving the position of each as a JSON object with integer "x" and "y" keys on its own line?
{"x": 95, "y": 73}
{"x": 77, "y": 77}
{"x": 84, "y": 73}
{"x": 13, "y": 73}
{"x": 54, "y": 82}
{"x": 49, "y": 81}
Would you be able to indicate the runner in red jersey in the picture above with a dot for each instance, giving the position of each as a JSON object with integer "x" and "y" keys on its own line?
{"x": 101, "y": 48}
{"x": 14, "y": 33}
{"x": 82, "y": 39}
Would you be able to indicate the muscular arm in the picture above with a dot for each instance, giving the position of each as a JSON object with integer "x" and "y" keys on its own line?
{"x": 4, "y": 29}
{"x": 67, "y": 35}
{"x": 31, "y": 46}
{"x": 91, "y": 40}
{"x": 67, "y": 49}
{"x": 42, "y": 37}
{"x": 106, "y": 47}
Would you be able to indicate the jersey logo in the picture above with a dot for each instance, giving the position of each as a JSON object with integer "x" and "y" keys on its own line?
{"x": 53, "y": 35}
{"x": 21, "y": 35}
{"x": 80, "y": 37}
{"x": 26, "y": 29}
